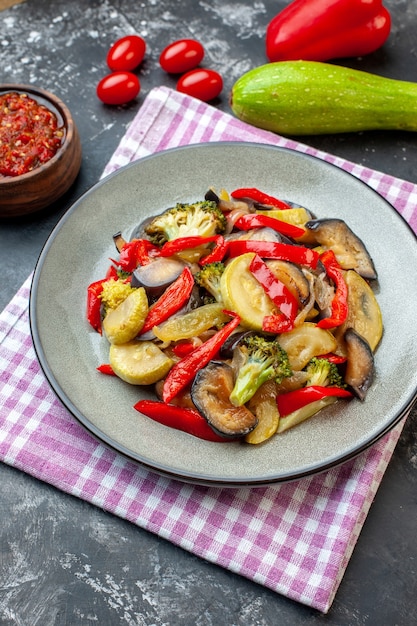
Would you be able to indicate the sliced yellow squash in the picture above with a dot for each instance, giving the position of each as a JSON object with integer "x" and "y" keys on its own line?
{"x": 139, "y": 362}
{"x": 300, "y": 415}
{"x": 306, "y": 341}
{"x": 193, "y": 323}
{"x": 124, "y": 322}
{"x": 297, "y": 216}
{"x": 243, "y": 294}
{"x": 264, "y": 405}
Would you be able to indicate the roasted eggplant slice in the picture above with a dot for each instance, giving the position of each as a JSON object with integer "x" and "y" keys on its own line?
{"x": 156, "y": 276}
{"x": 360, "y": 363}
{"x": 350, "y": 251}
{"x": 364, "y": 314}
{"x": 210, "y": 393}
{"x": 293, "y": 278}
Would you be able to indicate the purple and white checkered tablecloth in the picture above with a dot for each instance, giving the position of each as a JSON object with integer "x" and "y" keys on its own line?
{"x": 294, "y": 538}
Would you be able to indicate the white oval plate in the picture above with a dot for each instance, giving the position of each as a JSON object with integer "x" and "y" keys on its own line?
{"x": 77, "y": 253}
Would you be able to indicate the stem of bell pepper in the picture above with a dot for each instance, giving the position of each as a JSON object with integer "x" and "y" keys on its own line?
{"x": 258, "y": 196}
{"x": 339, "y": 304}
{"x": 257, "y": 220}
{"x": 188, "y": 420}
{"x": 274, "y": 288}
{"x": 319, "y": 30}
{"x": 173, "y": 298}
{"x": 184, "y": 371}
{"x": 275, "y": 250}
{"x": 294, "y": 400}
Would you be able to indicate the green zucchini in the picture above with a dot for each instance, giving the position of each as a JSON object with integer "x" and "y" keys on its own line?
{"x": 313, "y": 98}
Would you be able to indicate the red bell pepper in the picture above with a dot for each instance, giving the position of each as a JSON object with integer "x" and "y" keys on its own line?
{"x": 106, "y": 368}
{"x": 188, "y": 420}
{"x": 134, "y": 253}
{"x": 94, "y": 303}
{"x": 183, "y": 348}
{"x": 218, "y": 253}
{"x": 293, "y": 400}
{"x": 186, "y": 243}
{"x": 258, "y": 220}
{"x": 173, "y": 298}
{"x": 279, "y": 294}
{"x": 339, "y": 303}
{"x": 319, "y": 30}
{"x": 184, "y": 371}
{"x": 334, "y": 358}
{"x": 258, "y": 196}
{"x": 275, "y": 250}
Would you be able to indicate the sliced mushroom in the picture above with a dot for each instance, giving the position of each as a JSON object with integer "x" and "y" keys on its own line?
{"x": 210, "y": 393}
{"x": 360, "y": 363}
{"x": 157, "y": 275}
{"x": 350, "y": 251}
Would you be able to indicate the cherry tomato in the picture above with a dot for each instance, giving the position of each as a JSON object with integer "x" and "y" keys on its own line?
{"x": 201, "y": 83}
{"x": 126, "y": 53}
{"x": 118, "y": 88}
{"x": 181, "y": 56}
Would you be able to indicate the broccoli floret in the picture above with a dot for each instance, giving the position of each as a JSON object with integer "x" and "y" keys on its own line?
{"x": 323, "y": 373}
{"x": 263, "y": 359}
{"x": 114, "y": 293}
{"x": 209, "y": 278}
{"x": 203, "y": 219}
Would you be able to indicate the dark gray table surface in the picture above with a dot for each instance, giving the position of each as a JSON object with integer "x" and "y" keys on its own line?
{"x": 63, "y": 561}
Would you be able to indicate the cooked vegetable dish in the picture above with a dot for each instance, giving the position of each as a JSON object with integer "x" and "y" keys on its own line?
{"x": 246, "y": 313}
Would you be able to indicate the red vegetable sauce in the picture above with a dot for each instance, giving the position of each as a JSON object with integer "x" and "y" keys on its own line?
{"x": 30, "y": 134}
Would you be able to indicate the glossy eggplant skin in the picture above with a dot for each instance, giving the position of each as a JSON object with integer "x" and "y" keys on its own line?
{"x": 359, "y": 373}
{"x": 156, "y": 276}
{"x": 349, "y": 249}
{"x": 210, "y": 393}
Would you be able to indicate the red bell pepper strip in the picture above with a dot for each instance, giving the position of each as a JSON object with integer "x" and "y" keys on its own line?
{"x": 218, "y": 253}
{"x": 251, "y": 193}
{"x": 173, "y": 298}
{"x": 181, "y": 418}
{"x": 275, "y": 250}
{"x": 183, "y": 348}
{"x": 258, "y": 220}
{"x": 134, "y": 253}
{"x": 283, "y": 321}
{"x": 293, "y": 400}
{"x": 319, "y": 30}
{"x": 274, "y": 288}
{"x": 339, "y": 304}
{"x": 185, "y": 243}
{"x": 184, "y": 371}
{"x": 334, "y": 358}
{"x": 106, "y": 368}
{"x": 94, "y": 303}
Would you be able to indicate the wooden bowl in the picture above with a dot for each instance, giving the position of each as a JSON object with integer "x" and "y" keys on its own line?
{"x": 37, "y": 189}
